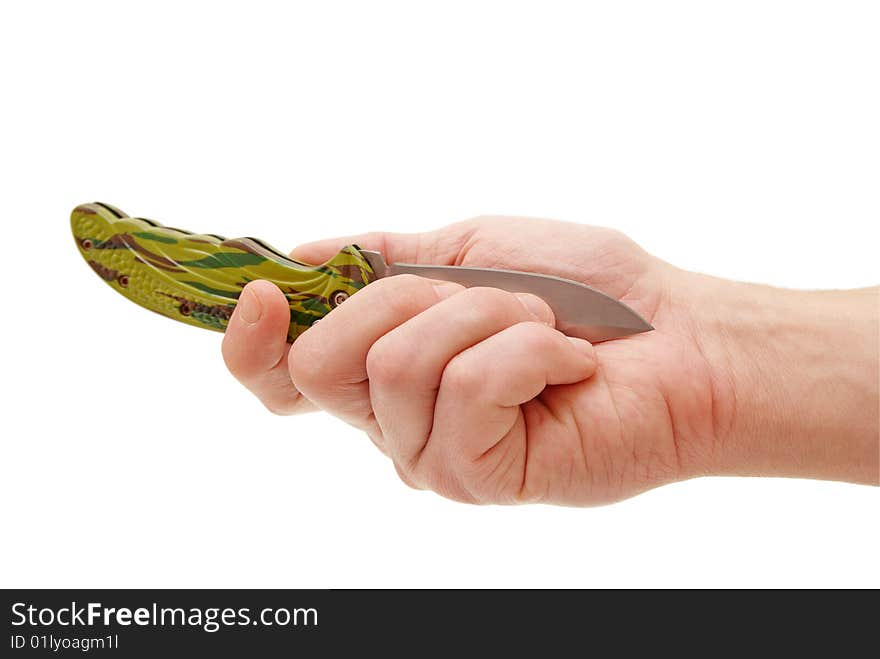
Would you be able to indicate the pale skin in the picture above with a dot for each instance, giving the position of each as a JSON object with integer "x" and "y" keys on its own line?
{"x": 474, "y": 394}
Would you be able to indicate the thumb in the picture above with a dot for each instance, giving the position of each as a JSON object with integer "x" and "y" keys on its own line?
{"x": 440, "y": 247}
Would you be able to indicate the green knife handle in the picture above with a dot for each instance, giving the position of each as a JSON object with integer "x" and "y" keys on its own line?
{"x": 198, "y": 278}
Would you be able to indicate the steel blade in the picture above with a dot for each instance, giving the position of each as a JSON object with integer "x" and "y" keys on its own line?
{"x": 580, "y": 311}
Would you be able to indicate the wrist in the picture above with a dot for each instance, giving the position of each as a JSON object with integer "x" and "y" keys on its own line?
{"x": 797, "y": 375}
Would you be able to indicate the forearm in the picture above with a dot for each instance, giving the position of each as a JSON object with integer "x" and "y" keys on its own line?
{"x": 800, "y": 381}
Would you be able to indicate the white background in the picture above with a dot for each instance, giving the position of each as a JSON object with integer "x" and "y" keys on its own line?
{"x": 736, "y": 138}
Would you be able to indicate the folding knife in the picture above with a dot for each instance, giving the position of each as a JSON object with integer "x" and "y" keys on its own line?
{"x": 197, "y": 278}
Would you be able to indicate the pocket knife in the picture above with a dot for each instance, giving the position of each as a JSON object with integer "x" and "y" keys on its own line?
{"x": 197, "y": 278}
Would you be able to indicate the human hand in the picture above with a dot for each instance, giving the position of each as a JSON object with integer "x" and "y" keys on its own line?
{"x": 474, "y": 394}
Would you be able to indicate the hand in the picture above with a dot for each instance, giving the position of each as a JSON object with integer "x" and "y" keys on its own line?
{"x": 474, "y": 394}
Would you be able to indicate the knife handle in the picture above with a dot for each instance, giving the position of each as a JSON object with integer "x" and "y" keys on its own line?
{"x": 198, "y": 278}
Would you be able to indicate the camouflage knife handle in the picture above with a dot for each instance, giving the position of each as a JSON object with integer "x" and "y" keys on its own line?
{"x": 197, "y": 278}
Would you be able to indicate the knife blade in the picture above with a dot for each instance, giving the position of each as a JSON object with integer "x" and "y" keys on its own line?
{"x": 197, "y": 278}
{"x": 580, "y": 311}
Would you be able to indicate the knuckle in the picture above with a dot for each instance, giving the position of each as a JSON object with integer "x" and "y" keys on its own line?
{"x": 611, "y": 235}
{"x": 401, "y": 295}
{"x": 387, "y": 363}
{"x": 491, "y": 301}
{"x": 404, "y": 474}
{"x": 398, "y": 283}
{"x": 307, "y": 358}
{"x": 444, "y": 478}
{"x": 612, "y": 241}
{"x": 460, "y": 377}
{"x": 277, "y": 408}
{"x": 378, "y": 440}
{"x": 535, "y": 338}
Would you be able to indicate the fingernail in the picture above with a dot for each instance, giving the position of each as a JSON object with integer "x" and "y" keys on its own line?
{"x": 537, "y": 307}
{"x": 583, "y": 346}
{"x": 249, "y": 307}
{"x": 447, "y": 289}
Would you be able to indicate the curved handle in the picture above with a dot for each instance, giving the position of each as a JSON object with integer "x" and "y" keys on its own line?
{"x": 197, "y": 278}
